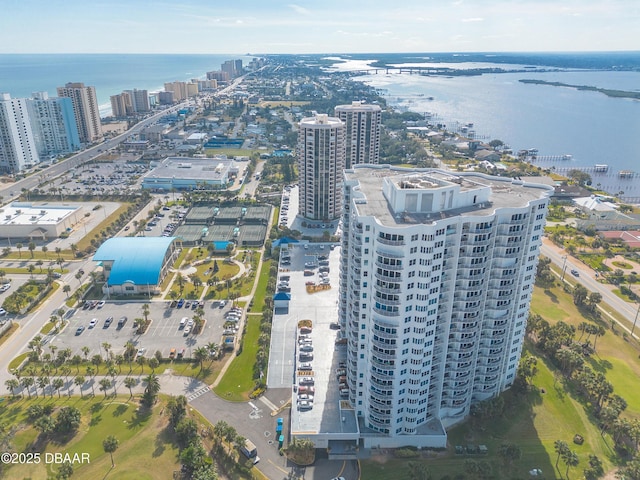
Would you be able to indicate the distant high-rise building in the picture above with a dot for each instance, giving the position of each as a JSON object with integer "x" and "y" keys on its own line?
{"x": 219, "y": 76}
{"x": 320, "y": 155}
{"x": 121, "y": 105}
{"x": 141, "y": 100}
{"x": 18, "y": 148}
{"x": 54, "y": 124}
{"x": 85, "y": 108}
{"x": 181, "y": 90}
{"x": 166, "y": 97}
{"x": 362, "y": 132}
{"x": 436, "y": 276}
{"x": 229, "y": 67}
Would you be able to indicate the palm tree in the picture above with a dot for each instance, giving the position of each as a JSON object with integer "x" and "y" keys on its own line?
{"x": 130, "y": 382}
{"x": 74, "y": 249}
{"x": 27, "y": 382}
{"x": 107, "y": 347}
{"x": 141, "y": 361}
{"x": 79, "y": 381}
{"x": 145, "y": 311}
{"x": 57, "y": 384}
{"x": 85, "y": 351}
{"x": 212, "y": 349}
{"x": 58, "y": 251}
{"x": 152, "y": 384}
{"x": 42, "y": 383}
{"x": 571, "y": 459}
{"x": 44, "y": 250}
{"x": 153, "y": 363}
{"x": 39, "y": 263}
{"x": 200, "y": 354}
{"x": 12, "y": 384}
{"x": 105, "y": 384}
{"x": 66, "y": 289}
{"x": 561, "y": 447}
{"x": 31, "y": 246}
{"x": 19, "y": 247}
{"x": 110, "y": 445}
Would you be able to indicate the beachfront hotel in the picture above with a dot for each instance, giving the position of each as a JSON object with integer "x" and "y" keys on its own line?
{"x": 436, "y": 276}
{"x": 85, "y": 108}
{"x": 54, "y": 125}
{"x": 362, "y": 132}
{"x": 18, "y": 148}
{"x": 320, "y": 157}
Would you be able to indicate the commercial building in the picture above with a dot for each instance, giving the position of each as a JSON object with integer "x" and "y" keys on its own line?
{"x": 180, "y": 173}
{"x": 26, "y": 221}
{"x": 85, "y": 108}
{"x": 18, "y": 148}
{"x": 436, "y": 276}
{"x": 362, "y": 132}
{"x": 135, "y": 265}
{"x": 54, "y": 125}
{"x": 320, "y": 157}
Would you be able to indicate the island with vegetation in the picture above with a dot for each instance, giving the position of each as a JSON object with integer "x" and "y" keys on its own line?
{"x": 607, "y": 91}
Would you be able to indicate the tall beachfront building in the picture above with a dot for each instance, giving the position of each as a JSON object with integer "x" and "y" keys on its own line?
{"x": 362, "y": 132}
{"x": 320, "y": 155}
{"x": 436, "y": 276}
{"x": 18, "y": 148}
{"x": 54, "y": 124}
{"x": 85, "y": 107}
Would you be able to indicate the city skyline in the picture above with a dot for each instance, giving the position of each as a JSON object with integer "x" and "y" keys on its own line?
{"x": 196, "y": 26}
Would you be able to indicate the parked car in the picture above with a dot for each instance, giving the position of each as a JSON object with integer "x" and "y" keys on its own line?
{"x": 305, "y": 396}
{"x": 5, "y": 287}
{"x": 93, "y": 322}
{"x": 575, "y": 273}
{"x": 187, "y": 330}
{"x": 306, "y": 348}
{"x": 180, "y": 303}
{"x": 107, "y": 322}
{"x": 305, "y": 366}
{"x": 306, "y": 381}
{"x": 122, "y": 322}
{"x": 305, "y": 405}
{"x": 101, "y": 304}
{"x": 183, "y": 322}
{"x": 79, "y": 330}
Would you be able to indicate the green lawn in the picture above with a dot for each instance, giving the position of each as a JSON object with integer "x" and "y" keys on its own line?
{"x": 261, "y": 290}
{"x": 114, "y": 416}
{"x": 238, "y": 380}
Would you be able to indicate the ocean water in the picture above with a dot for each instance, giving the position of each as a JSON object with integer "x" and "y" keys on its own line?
{"x": 110, "y": 74}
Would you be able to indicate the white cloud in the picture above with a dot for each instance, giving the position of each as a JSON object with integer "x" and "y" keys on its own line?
{"x": 472, "y": 19}
{"x": 299, "y": 9}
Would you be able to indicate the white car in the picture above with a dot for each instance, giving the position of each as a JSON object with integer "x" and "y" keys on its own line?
{"x": 2, "y": 311}
{"x": 5, "y": 287}
{"x": 93, "y": 322}
{"x": 101, "y": 303}
{"x": 187, "y": 330}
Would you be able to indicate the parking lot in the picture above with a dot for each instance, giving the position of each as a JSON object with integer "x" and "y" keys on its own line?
{"x": 164, "y": 333}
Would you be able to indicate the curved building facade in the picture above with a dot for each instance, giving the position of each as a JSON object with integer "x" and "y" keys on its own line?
{"x": 320, "y": 154}
{"x": 437, "y": 272}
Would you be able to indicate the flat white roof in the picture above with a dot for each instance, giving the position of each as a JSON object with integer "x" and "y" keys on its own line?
{"x": 21, "y": 213}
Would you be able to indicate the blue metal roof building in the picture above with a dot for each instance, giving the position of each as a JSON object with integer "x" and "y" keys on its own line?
{"x": 136, "y": 264}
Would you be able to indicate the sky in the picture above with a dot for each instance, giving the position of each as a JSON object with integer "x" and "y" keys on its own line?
{"x": 326, "y": 26}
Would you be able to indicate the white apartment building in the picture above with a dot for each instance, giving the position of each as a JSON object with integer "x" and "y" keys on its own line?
{"x": 54, "y": 124}
{"x": 362, "y": 132}
{"x": 320, "y": 156}
{"x": 436, "y": 276}
{"x": 85, "y": 107}
{"x": 18, "y": 148}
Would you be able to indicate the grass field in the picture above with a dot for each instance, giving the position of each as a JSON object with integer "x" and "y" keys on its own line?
{"x": 135, "y": 432}
{"x": 547, "y": 413}
{"x": 238, "y": 380}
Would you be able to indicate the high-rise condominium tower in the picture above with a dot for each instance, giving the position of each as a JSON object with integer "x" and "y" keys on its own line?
{"x": 85, "y": 107}
{"x": 54, "y": 124}
{"x": 436, "y": 276}
{"x": 18, "y": 148}
{"x": 320, "y": 154}
{"x": 362, "y": 132}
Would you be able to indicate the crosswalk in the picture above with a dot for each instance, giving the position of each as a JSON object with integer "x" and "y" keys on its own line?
{"x": 197, "y": 393}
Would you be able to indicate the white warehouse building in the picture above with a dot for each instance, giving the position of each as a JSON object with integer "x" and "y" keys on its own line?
{"x": 436, "y": 277}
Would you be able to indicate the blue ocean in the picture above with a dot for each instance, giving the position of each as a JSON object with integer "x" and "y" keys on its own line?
{"x": 110, "y": 74}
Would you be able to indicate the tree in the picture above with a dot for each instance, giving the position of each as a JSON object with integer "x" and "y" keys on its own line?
{"x": 153, "y": 363}
{"x": 107, "y": 347}
{"x": 509, "y": 452}
{"x": 186, "y": 432}
{"x": 27, "y": 382}
{"x": 105, "y": 384}
{"x": 580, "y": 294}
{"x": 561, "y": 448}
{"x": 571, "y": 460}
{"x": 130, "y": 382}
{"x": 66, "y": 289}
{"x": 176, "y": 409}
{"x": 31, "y": 246}
{"x": 528, "y": 368}
{"x": 141, "y": 361}
{"x": 110, "y": 445}
{"x": 19, "y": 246}
{"x": 145, "y": 311}
{"x": 11, "y": 385}
{"x": 65, "y": 471}
{"x": 85, "y": 351}
{"x": 151, "y": 389}
{"x": 200, "y": 354}
{"x": 418, "y": 471}
{"x": 46, "y": 425}
{"x": 68, "y": 419}
{"x": 57, "y": 384}
{"x": 593, "y": 300}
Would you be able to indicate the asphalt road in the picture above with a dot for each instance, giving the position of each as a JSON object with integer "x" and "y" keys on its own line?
{"x": 588, "y": 279}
